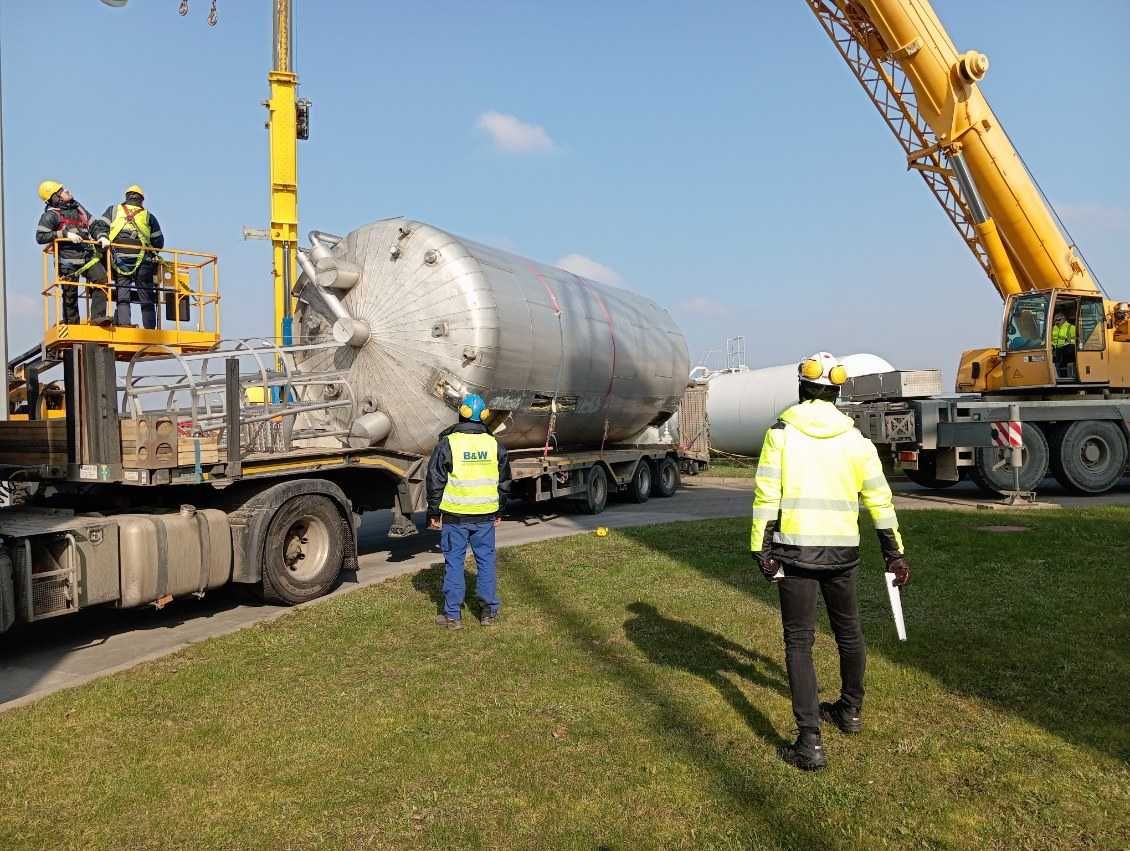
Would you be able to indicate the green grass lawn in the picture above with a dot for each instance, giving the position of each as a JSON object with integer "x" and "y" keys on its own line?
{"x": 731, "y": 470}
{"x": 632, "y": 697}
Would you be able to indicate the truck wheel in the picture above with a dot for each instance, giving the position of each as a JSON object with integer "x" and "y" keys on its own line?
{"x": 926, "y": 476}
{"x": 992, "y": 473}
{"x": 596, "y": 497}
{"x": 1090, "y": 456}
{"x": 302, "y": 554}
{"x": 639, "y": 490}
{"x": 666, "y": 478}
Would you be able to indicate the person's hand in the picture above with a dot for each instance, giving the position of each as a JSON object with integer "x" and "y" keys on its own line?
{"x": 498, "y": 520}
{"x": 104, "y": 242}
{"x": 73, "y": 236}
{"x": 768, "y": 566}
{"x": 897, "y": 565}
{"x": 434, "y": 523}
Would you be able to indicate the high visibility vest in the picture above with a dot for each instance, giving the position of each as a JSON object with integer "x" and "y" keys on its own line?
{"x": 135, "y": 218}
{"x": 812, "y": 488}
{"x": 472, "y": 484}
{"x": 1063, "y": 335}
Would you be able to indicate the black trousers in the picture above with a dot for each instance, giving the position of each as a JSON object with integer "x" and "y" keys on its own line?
{"x": 139, "y": 282}
{"x": 798, "y": 617}
{"x": 96, "y": 274}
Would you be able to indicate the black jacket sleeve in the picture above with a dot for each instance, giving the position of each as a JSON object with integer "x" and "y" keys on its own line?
{"x": 156, "y": 238}
{"x": 438, "y": 468}
{"x": 45, "y": 230}
{"x": 503, "y": 478}
{"x": 100, "y": 226}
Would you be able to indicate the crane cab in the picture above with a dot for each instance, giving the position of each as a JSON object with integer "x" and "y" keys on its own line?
{"x": 1055, "y": 338}
{"x": 187, "y": 302}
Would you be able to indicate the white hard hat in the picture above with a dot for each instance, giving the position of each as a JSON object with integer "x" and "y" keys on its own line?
{"x": 822, "y": 368}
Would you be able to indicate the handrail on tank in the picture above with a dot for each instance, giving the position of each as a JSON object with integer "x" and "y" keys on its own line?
{"x": 181, "y": 276}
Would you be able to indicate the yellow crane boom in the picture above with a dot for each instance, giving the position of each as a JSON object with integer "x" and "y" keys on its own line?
{"x": 928, "y": 92}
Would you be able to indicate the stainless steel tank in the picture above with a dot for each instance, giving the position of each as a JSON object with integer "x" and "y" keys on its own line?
{"x": 431, "y": 316}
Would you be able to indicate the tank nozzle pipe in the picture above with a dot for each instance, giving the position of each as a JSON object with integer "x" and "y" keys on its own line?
{"x": 346, "y": 329}
{"x": 329, "y": 240}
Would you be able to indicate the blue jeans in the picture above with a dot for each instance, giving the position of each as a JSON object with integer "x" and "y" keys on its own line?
{"x": 453, "y": 541}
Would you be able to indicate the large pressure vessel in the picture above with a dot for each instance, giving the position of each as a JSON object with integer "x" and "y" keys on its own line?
{"x": 742, "y": 404}
{"x": 447, "y": 316}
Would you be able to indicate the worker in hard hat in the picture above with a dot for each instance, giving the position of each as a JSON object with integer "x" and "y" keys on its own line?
{"x": 133, "y": 230}
{"x": 814, "y": 468}
{"x": 65, "y": 226}
{"x": 1063, "y": 344}
{"x": 468, "y": 484}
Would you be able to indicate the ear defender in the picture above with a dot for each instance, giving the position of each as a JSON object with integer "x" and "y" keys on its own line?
{"x": 465, "y": 411}
{"x": 837, "y": 375}
{"x": 812, "y": 369}
{"x": 484, "y": 413}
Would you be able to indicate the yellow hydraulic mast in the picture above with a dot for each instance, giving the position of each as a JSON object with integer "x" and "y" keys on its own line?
{"x": 283, "y": 129}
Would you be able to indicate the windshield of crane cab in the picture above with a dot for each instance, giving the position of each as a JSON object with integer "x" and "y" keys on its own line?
{"x": 1027, "y": 326}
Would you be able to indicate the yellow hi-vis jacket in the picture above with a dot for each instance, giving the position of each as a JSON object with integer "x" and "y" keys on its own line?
{"x": 1063, "y": 335}
{"x": 814, "y": 468}
{"x": 472, "y": 484}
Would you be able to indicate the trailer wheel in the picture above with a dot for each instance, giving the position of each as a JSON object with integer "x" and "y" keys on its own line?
{"x": 666, "y": 478}
{"x": 596, "y": 497}
{"x": 1090, "y": 456}
{"x": 303, "y": 554}
{"x": 639, "y": 490}
{"x": 993, "y": 474}
{"x": 926, "y": 476}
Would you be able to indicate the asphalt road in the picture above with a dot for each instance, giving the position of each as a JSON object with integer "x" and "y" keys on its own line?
{"x": 37, "y": 659}
{"x": 41, "y": 658}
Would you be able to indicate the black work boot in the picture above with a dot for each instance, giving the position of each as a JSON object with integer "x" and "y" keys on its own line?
{"x": 806, "y": 753}
{"x": 448, "y": 623}
{"x": 845, "y": 718}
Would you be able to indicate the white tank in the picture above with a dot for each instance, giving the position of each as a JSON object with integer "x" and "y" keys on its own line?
{"x": 744, "y": 403}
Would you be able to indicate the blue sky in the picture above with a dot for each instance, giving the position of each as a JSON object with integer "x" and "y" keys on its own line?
{"x": 718, "y": 157}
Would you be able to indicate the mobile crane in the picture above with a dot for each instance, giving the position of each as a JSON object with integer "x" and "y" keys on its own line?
{"x": 1074, "y": 401}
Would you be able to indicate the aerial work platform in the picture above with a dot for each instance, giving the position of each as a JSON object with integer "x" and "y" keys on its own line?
{"x": 187, "y": 302}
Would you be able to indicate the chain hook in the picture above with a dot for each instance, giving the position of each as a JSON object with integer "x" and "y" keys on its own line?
{"x": 213, "y": 18}
{"x": 183, "y": 8}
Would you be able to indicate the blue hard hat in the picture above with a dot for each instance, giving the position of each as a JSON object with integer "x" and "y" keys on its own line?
{"x": 474, "y": 408}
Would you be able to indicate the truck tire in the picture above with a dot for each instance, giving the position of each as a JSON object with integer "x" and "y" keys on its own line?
{"x": 1089, "y": 456}
{"x": 302, "y": 553}
{"x": 639, "y": 490}
{"x": 666, "y": 478}
{"x": 926, "y": 476}
{"x": 596, "y": 495}
{"x": 992, "y": 473}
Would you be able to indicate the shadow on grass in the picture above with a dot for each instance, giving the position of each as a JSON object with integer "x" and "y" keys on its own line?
{"x": 429, "y": 581}
{"x": 1005, "y": 620}
{"x": 755, "y": 795}
{"x": 677, "y": 644}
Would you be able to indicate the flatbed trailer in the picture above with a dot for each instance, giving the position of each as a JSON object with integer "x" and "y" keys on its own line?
{"x": 126, "y": 511}
{"x": 1080, "y": 439}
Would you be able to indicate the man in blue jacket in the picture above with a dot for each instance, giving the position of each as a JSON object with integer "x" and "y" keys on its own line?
{"x": 468, "y": 483}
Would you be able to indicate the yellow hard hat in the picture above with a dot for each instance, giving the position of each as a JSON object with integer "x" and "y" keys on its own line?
{"x": 48, "y": 188}
{"x": 135, "y": 188}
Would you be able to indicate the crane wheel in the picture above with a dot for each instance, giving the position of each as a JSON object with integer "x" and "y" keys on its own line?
{"x": 991, "y": 470}
{"x": 1089, "y": 456}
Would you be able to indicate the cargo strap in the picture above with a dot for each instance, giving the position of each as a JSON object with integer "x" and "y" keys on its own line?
{"x": 204, "y": 533}
{"x": 162, "y": 556}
